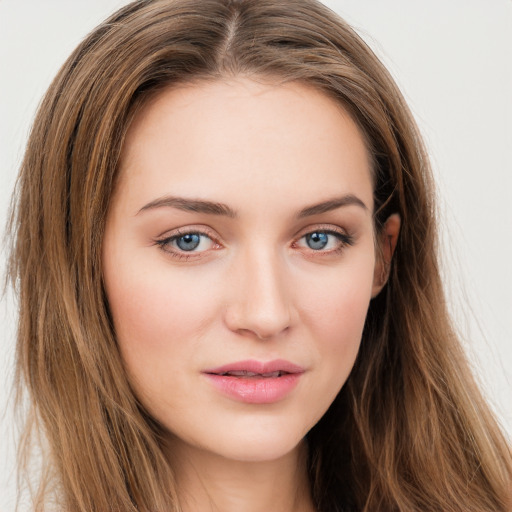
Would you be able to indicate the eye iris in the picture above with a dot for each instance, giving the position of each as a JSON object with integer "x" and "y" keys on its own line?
{"x": 317, "y": 241}
{"x": 188, "y": 242}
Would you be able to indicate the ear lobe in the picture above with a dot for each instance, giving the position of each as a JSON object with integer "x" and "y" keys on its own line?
{"x": 388, "y": 238}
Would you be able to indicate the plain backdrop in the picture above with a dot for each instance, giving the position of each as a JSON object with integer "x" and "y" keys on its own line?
{"x": 453, "y": 61}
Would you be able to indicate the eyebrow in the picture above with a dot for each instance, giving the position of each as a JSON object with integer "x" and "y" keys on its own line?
{"x": 190, "y": 205}
{"x": 332, "y": 204}
{"x": 214, "y": 208}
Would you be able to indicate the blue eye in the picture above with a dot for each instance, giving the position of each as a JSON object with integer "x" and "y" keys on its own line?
{"x": 188, "y": 242}
{"x": 192, "y": 243}
{"x": 325, "y": 241}
{"x": 317, "y": 240}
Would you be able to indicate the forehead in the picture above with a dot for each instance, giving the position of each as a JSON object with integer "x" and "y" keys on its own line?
{"x": 220, "y": 137}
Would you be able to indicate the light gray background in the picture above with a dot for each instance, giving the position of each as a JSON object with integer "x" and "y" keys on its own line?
{"x": 452, "y": 60}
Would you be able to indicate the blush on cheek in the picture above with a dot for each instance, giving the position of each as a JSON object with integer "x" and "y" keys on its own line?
{"x": 152, "y": 314}
{"x": 341, "y": 298}
{"x": 339, "y": 316}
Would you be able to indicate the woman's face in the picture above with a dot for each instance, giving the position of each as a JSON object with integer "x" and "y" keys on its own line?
{"x": 239, "y": 262}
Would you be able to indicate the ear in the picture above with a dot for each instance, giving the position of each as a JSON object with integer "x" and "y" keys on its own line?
{"x": 386, "y": 243}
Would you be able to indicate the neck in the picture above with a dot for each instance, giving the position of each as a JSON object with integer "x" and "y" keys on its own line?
{"x": 211, "y": 483}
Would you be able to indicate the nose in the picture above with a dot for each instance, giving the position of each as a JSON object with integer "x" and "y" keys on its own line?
{"x": 259, "y": 304}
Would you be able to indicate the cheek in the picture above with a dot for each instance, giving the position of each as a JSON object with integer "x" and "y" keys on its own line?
{"x": 159, "y": 317}
{"x": 337, "y": 303}
{"x": 334, "y": 315}
{"x": 152, "y": 309}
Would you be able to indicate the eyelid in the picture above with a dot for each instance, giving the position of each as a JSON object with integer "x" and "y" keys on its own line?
{"x": 185, "y": 230}
{"x": 324, "y": 228}
{"x": 345, "y": 237}
{"x": 164, "y": 240}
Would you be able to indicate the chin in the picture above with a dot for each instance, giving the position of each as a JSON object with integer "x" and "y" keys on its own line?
{"x": 251, "y": 439}
{"x": 260, "y": 448}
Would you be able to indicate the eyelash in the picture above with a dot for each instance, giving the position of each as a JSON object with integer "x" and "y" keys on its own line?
{"x": 345, "y": 240}
{"x": 165, "y": 243}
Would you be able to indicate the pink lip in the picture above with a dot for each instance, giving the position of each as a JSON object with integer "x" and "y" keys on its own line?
{"x": 256, "y": 389}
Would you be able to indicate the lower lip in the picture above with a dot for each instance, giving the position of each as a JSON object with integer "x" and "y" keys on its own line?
{"x": 254, "y": 390}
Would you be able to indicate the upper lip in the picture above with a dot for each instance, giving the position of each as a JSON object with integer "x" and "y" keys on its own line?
{"x": 257, "y": 367}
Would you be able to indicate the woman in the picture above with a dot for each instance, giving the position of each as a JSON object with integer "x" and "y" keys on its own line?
{"x": 229, "y": 292}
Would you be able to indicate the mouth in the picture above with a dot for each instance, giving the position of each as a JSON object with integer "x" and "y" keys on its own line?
{"x": 252, "y": 368}
{"x": 251, "y": 375}
{"x": 255, "y": 382}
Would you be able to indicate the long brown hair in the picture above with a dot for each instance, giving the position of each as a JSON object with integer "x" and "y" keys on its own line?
{"x": 408, "y": 431}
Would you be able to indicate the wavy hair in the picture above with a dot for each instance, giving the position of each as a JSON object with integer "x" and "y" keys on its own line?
{"x": 409, "y": 431}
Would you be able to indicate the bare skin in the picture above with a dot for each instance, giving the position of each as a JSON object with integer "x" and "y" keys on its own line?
{"x": 280, "y": 485}
{"x": 242, "y": 230}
